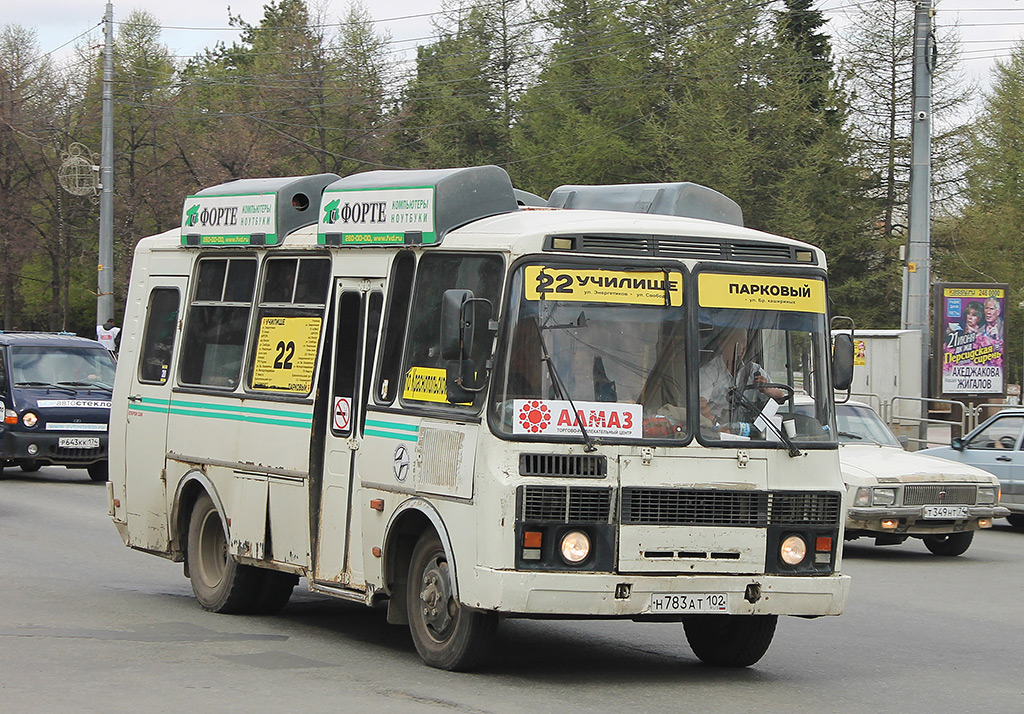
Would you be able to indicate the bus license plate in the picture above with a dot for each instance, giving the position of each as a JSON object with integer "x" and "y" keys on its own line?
{"x": 78, "y": 442}
{"x": 690, "y": 602}
{"x": 945, "y": 512}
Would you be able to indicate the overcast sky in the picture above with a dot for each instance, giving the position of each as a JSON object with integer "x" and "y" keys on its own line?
{"x": 988, "y": 27}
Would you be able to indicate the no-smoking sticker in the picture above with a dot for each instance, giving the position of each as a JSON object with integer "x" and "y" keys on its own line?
{"x": 342, "y": 413}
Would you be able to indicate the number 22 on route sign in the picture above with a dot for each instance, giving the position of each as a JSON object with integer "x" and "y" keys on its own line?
{"x": 342, "y": 413}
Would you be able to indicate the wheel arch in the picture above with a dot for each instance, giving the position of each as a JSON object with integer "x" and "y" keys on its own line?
{"x": 406, "y": 526}
{"x": 189, "y": 488}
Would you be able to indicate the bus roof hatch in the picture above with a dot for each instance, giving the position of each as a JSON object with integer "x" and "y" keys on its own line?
{"x": 684, "y": 199}
{"x": 259, "y": 211}
{"x": 416, "y": 207}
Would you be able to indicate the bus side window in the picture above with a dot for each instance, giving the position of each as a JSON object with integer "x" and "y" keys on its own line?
{"x": 400, "y": 291}
{"x": 158, "y": 339}
{"x": 425, "y": 379}
{"x": 372, "y": 328}
{"x": 289, "y": 320}
{"x": 346, "y": 360}
{"x": 218, "y": 321}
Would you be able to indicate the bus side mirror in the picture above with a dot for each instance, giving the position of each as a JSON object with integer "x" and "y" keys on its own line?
{"x": 457, "y": 324}
{"x": 842, "y": 361}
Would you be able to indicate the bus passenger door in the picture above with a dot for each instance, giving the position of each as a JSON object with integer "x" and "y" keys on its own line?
{"x": 145, "y": 435}
{"x": 357, "y": 311}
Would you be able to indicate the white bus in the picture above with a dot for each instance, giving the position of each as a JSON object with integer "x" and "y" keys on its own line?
{"x": 430, "y": 392}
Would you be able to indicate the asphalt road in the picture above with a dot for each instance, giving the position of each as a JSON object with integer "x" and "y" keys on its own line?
{"x": 87, "y": 625}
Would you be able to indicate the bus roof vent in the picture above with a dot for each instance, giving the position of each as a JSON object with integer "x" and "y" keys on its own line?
{"x": 260, "y": 211}
{"x": 688, "y": 200}
{"x": 411, "y": 207}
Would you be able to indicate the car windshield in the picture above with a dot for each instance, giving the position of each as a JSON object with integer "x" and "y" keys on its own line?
{"x": 859, "y": 424}
{"x": 72, "y": 367}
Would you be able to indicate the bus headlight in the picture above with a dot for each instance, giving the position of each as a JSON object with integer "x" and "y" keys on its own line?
{"x": 793, "y": 550}
{"x": 574, "y": 547}
{"x": 883, "y": 497}
{"x": 29, "y": 419}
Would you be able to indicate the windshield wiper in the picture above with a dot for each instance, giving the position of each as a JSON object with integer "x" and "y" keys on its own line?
{"x": 781, "y": 433}
{"x": 588, "y": 443}
{"x": 77, "y": 383}
{"x": 47, "y": 385}
{"x": 850, "y": 435}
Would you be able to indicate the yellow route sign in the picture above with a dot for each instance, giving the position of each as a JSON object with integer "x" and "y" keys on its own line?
{"x": 761, "y": 292}
{"x": 286, "y": 354}
{"x": 624, "y": 287}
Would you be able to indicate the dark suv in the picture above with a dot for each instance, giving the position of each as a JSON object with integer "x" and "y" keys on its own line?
{"x": 55, "y": 401}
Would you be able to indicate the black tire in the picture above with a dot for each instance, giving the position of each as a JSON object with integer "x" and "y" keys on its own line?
{"x": 98, "y": 471}
{"x": 29, "y": 466}
{"x": 273, "y": 592}
{"x": 730, "y": 640}
{"x": 950, "y": 544}
{"x": 446, "y": 634}
{"x": 1016, "y": 520}
{"x": 220, "y": 583}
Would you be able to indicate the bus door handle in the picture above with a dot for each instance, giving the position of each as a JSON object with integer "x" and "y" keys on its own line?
{"x": 135, "y": 398}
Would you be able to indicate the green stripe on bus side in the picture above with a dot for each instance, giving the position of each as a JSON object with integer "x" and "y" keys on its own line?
{"x": 243, "y": 410}
{"x": 305, "y": 423}
{"x": 390, "y": 435}
{"x": 393, "y": 425}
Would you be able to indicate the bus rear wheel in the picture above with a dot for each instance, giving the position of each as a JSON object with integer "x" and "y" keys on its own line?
{"x": 730, "y": 640}
{"x": 446, "y": 634}
{"x": 220, "y": 583}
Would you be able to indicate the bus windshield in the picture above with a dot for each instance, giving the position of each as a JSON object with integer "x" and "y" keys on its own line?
{"x": 45, "y": 366}
{"x": 600, "y": 355}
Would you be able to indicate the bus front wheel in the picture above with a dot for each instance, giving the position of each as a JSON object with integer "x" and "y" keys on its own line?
{"x": 220, "y": 583}
{"x": 446, "y": 634}
{"x": 730, "y": 640}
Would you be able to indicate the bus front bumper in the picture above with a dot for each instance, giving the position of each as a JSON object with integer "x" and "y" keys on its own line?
{"x": 639, "y": 596}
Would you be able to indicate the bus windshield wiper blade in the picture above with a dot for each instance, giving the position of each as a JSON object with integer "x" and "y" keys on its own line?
{"x": 47, "y": 385}
{"x": 588, "y": 443}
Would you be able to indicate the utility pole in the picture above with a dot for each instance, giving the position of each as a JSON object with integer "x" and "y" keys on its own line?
{"x": 105, "y": 267}
{"x": 917, "y": 271}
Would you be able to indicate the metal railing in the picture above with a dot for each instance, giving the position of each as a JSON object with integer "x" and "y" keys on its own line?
{"x": 926, "y": 426}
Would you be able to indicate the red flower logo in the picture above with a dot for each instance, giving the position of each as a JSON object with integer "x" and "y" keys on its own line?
{"x": 534, "y": 416}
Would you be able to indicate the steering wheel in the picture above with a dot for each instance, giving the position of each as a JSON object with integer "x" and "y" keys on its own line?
{"x": 758, "y": 388}
{"x": 1007, "y": 441}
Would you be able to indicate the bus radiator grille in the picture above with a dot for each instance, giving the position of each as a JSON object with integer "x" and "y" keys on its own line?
{"x": 562, "y": 465}
{"x": 565, "y": 504}
{"x": 713, "y": 507}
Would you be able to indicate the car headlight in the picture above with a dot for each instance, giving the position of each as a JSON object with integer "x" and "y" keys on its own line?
{"x": 793, "y": 550}
{"x": 29, "y": 419}
{"x": 883, "y": 497}
{"x": 574, "y": 547}
{"x": 988, "y": 494}
{"x": 862, "y": 497}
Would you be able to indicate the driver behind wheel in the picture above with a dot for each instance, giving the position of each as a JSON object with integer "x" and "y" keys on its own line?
{"x": 723, "y": 380}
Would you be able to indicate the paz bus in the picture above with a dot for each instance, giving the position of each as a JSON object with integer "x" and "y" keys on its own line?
{"x": 430, "y": 392}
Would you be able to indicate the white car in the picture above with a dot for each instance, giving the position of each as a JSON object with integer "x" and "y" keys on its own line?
{"x": 893, "y": 494}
